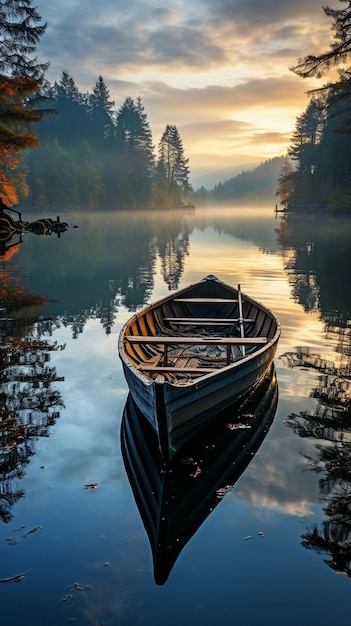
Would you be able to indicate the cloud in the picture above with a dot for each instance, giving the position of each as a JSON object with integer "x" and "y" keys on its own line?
{"x": 261, "y": 13}
{"x": 218, "y": 70}
{"x": 213, "y": 100}
{"x": 218, "y": 111}
{"x": 144, "y": 35}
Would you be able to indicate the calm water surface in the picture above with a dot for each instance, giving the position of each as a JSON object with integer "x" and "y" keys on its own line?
{"x": 271, "y": 551}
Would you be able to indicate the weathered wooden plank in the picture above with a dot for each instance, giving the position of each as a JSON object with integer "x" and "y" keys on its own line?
{"x": 167, "y": 341}
{"x": 202, "y": 321}
{"x": 197, "y": 341}
{"x": 205, "y": 300}
{"x": 177, "y": 370}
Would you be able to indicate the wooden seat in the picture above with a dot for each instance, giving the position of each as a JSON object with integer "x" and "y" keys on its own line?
{"x": 176, "y": 370}
{"x": 227, "y": 342}
{"x": 207, "y": 321}
{"x": 206, "y": 300}
{"x": 197, "y": 341}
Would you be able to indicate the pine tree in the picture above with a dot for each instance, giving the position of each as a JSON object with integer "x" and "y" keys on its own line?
{"x": 20, "y": 32}
{"x": 21, "y": 78}
{"x": 100, "y": 113}
{"x": 334, "y": 149}
{"x": 335, "y": 157}
{"x": 89, "y": 177}
{"x": 305, "y": 150}
{"x": 336, "y": 56}
{"x": 172, "y": 168}
{"x": 71, "y": 124}
{"x": 134, "y": 154}
{"x": 146, "y": 146}
{"x": 67, "y": 89}
{"x": 340, "y": 50}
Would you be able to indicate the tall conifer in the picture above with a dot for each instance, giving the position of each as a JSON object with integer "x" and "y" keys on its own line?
{"x": 21, "y": 78}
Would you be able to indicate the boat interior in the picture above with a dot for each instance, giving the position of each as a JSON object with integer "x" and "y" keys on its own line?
{"x": 200, "y": 331}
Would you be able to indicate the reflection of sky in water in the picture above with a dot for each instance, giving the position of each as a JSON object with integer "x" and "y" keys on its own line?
{"x": 94, "y": 391}
{"x": 96, "y": 536}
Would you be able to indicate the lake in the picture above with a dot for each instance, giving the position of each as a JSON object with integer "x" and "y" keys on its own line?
{"x": 267, "y": 548}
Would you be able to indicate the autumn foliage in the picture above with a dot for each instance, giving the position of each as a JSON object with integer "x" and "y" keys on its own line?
{"x": 17, "y": 297}
{"x": 21, "y": 78}
{"x": 12, "y": 177}
{"x": 15, "y": 135}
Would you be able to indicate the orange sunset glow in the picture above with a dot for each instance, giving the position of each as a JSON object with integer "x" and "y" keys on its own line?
{"x": 218, "y": 70}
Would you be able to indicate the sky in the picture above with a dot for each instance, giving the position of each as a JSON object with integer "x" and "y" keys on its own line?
{"x": 217, "y": 69}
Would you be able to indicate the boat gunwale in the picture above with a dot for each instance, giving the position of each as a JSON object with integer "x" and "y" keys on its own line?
{"x": 181, "y": 382}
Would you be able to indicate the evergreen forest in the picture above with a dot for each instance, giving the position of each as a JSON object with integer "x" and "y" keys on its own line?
{"x": 84, "y": 152}
{"x": 317, "y": 170}
{"x": 249, "y": 186}
{"x": 94, "y": 156}
{"x": 87, "y": 153}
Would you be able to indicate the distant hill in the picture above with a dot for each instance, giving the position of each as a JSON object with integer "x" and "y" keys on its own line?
{"x": 256, "y": 184}
{"x": 209, "y": 179}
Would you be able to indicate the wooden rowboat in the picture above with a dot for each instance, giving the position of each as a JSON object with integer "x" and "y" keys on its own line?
{"x": 192, "y": 352}
{"x": 174, "y": 502}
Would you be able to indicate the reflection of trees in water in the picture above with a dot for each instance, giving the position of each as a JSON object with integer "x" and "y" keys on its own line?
{"x": 297, "y": 252}
{"x": 317, "y": 256}
{"x": 173, "y": 262}
{"x": 28, "y": 407}
{"x": 173, "y": 246}
{"x": 339, "y": 334}
{"x": 330, "y": 424}
{"x": 108, "y": 262}
{"x": 334, "y": 539}
{"x": 115, "y": 265}
{"x": 303, "y": 357}
{"x": 136, "y": 290}
{"x": 333, "y": 536}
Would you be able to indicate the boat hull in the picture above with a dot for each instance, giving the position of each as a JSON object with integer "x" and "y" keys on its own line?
{"x": 178, "y": 411}
{"x": 173, "y": 504}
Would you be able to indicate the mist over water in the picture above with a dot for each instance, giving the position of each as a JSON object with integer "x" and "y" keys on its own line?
{"x": 270, "y": 550}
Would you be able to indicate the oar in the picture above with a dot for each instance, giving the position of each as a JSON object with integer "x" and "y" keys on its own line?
{"x": 241, "y": 319}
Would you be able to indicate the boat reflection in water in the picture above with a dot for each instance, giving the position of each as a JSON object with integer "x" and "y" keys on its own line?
{"x": 174, "y": 500}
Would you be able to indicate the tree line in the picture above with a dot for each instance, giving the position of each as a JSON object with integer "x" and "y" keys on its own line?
{"x": 317, "y": 170}
{"x": 84, "y": 153}
{"x": 93, "y": 156}
{"x": 254, "y": 185}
